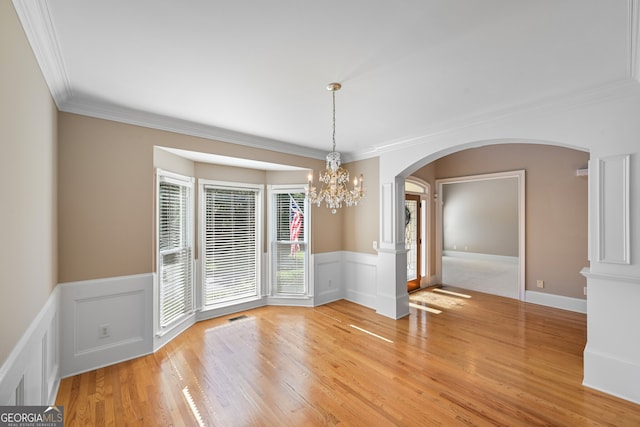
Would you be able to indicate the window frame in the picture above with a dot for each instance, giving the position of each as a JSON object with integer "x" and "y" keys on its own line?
{"x": 203, "y": 185}
{"x": 272, "y": 240}
{"x": 188, "y": 182}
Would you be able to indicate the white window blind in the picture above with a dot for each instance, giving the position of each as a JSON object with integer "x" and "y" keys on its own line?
{"x": 175, "y": 247}
{"x": 231, "y": 244}
{"x": 289, "y": 248}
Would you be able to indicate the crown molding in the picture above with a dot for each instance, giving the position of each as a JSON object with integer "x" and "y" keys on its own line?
{"x": 617, "y": 89}
{"x": 36, "y": 20}
{"x": 634, "y": 39}
{"x": 97, "y": 109}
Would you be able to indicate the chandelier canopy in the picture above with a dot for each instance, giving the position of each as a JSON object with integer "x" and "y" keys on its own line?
{"x": 334, "y": 181}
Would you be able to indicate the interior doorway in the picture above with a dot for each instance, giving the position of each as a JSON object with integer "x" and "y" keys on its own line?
{"x": 413, "y": 240}
{"x": 481, "y": 233}
{"x": 417, "y": 197}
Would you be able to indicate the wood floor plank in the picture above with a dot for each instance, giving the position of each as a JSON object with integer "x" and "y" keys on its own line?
{"x": 484, "y": 360}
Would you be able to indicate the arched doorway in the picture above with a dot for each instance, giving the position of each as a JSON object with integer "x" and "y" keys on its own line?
{"x": 417, "y": 232}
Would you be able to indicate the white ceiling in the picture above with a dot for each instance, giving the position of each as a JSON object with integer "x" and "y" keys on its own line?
{"x": 255, "y": 72}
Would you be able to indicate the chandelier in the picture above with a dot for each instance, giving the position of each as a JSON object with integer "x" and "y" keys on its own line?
{"x": 334, "y": 181}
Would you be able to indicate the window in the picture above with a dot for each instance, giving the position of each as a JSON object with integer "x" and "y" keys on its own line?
{"x": 175, "y": 247}
{"x": 230, "y": 242}
{"x": 289, "y": 245}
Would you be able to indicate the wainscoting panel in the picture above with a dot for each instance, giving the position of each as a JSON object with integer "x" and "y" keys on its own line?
{"x": 492, "y": 274}
{"x": 387, "y": 213}
{"x": 359, "y": 276}
{"x": 613, "y": 215}
{"x": 30, "y": 375}
{"x": 105, "y": 321}
{"x": 327, "y": 277}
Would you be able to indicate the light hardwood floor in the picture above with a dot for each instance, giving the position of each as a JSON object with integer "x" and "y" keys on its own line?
{"x": 484, "y": 360}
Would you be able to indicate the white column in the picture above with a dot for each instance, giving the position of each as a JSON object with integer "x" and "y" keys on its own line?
{"x": 392, "y": 299}
{"x": 612, "y": 353}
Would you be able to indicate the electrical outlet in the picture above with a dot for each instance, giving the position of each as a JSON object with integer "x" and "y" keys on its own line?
{"x": 540, "y": 283}
{"x": 375, "y": 245}
{"x": 585, "y": 290}
{"x": 104, "y": 331}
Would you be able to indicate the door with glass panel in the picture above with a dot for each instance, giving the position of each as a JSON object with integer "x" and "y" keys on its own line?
{"x": 412, "y": 233}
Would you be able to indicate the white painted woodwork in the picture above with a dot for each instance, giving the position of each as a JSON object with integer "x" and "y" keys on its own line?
{"x": 613, "y": 212}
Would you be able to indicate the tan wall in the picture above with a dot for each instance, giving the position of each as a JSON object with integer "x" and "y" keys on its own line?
{"x": 106, "y": 193}
{"x": 556, "y": 207}
{"x": 362, "y": 222}
{"x": 28, "y": 173}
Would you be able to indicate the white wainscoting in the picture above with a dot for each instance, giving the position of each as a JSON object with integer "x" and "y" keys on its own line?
{"x": 327, "y": 277}
{"x": 359, "y": 278}
{"x": 492, "y": 274}
{"x": 122, "y": 305}
{"x": 64, "y": 338}
{"x": 30, "y": 374}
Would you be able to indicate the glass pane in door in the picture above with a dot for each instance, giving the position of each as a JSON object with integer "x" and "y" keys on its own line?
{"x": 411, "y": 237}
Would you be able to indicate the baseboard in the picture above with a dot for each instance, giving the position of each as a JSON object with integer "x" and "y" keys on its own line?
{"x": 557, "y": 301}
{"x": 161, "y": 339}
{"x": 34, "y": 361}
{"x": 611, "y": 375}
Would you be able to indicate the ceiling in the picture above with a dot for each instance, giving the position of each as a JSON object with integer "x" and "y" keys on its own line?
{"x": 255, "y": 72}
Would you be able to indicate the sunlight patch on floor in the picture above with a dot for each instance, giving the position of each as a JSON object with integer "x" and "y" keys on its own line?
{"x": 193, "y": 406}
{"x": 424, "y": 308}
{"x": 371, "y": 333}
{"x": 444, "y": 291}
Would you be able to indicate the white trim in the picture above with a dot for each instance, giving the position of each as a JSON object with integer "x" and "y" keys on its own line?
{"x": 612, "y": 90}
{"x": 634, "y": 39}
{"x": 101, "y": 110}
{"x": 586, "y": 272}
{"x": 230, "y": 309}
{"x": 557, "y": 301}
{"x": 178, "y": 327}
{"x": 36, "y": 20}
{"x": 38, "y": 27}
{"x": 386, "y": 217}
{"x": 613, "y": 213}
{"x": 612, "y": 375}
